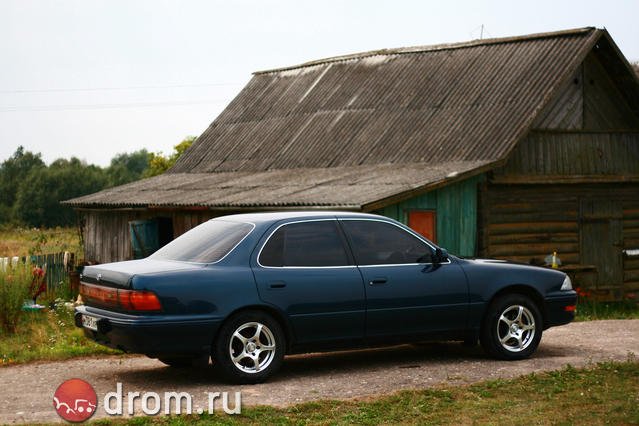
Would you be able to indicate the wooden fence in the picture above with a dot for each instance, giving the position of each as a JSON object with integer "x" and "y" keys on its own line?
{"x": 56, "y": 265}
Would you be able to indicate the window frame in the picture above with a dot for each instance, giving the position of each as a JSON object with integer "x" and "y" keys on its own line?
{"x": 402, "y": 228}
{"x": 340, "y": 232}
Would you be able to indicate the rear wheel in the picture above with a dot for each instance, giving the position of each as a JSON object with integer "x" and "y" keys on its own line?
{"x": 249, "y": 347}
{"x": 512, "y": 327}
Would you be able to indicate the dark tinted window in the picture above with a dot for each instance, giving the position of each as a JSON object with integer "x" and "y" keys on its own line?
{"x": 380, "y": 243}
{"x": 206, "y": 243}
{"x": 305, "y": 244}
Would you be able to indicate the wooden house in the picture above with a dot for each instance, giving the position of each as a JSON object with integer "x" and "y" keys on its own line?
{"x": 511, "y": 148}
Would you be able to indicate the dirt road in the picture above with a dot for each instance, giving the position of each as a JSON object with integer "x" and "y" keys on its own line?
{"x": 26, "y": 391}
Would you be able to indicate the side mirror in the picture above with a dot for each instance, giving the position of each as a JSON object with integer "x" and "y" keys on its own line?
{"x": 440, "y": 256}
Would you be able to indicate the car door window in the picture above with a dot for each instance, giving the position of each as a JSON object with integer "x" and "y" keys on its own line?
{"x": 382, "y": 243}
{"x": 310, "y": 244}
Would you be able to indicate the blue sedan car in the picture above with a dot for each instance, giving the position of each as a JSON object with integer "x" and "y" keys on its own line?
{"x": 247, "y": 289}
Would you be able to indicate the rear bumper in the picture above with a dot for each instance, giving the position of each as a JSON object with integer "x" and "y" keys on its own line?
{"x": 560, "y": 308}
{"x": 152, "y": 335}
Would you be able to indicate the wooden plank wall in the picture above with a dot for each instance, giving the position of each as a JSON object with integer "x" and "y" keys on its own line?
{"x": 590, "y": 100}
{"x": 631, "y": 241}
{"x": 566, "y": 111}
{"x": 455, "y": 206}
{"x": 525, "y": 223}
{"x": 106, "y": 232}
{"x": 556, "y": 154}
{"x": 604, "y": 106}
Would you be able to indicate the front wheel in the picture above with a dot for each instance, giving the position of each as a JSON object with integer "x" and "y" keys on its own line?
{"x": 249, "y": 347}
{"x": 512, "y": 327}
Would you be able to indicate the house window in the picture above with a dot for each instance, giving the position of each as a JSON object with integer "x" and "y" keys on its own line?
{"x": 423, "y": 222}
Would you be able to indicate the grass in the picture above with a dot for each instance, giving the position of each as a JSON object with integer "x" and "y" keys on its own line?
{"x": 47, "y": 335}
{"x": 607, "y": 393}
{"x": 592, "y": 310}
{"x": 16, "y": 241}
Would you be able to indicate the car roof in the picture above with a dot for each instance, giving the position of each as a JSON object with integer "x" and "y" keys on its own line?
{"x": 302, "y": 214}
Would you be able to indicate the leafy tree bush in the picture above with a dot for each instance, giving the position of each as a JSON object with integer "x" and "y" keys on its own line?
{"x": 159, "y": 163}
{"x": 31, "y": 191}
{"x": 38, "y": 201}
{"x": 127, "y": 168}
{"x": 13, "y": 172}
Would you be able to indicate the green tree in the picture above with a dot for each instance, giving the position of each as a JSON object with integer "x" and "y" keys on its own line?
{"x": 125, "y": 168}
{"x": 39, "y": 195}
{"x": 12, "y": 172}
{"x": 160, "y": 163}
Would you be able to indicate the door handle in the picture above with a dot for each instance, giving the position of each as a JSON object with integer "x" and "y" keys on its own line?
{"x": 378, "y": 281}
{"x": 277, "y": 284}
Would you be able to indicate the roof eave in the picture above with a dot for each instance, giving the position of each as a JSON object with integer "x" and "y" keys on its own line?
{"x": 423, "y": 189}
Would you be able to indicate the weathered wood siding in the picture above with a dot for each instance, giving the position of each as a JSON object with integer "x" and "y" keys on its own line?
{"x": 525, "y": 223}
{"x": 106, "y": 232}
{"x": 591, "y": 100}
{"x": 631, "y": 241}
{"x": 566, "y": 111}
{"x": 573, "y": 156}
{"x": 604, "y": 105}
{"x": 456, "y": 214}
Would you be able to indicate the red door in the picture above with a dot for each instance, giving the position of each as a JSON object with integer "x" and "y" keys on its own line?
{"x": 423, "y": 222}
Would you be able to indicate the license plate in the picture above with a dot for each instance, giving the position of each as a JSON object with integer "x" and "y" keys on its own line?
{"x": 90, "y": 322}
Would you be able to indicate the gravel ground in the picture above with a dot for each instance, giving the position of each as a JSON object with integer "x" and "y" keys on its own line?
{"x": 26, "y": 391}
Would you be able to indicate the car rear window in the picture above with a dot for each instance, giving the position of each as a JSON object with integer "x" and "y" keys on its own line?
{"x": 206, "y": 243}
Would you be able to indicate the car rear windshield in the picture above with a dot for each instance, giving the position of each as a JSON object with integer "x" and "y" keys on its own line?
{"x": 206, "y": 243}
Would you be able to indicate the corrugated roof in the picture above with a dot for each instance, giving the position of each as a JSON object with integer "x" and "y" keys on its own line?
{"x": 437, "y": 106}
{"x": 355, "y": 187}
{"x": 463, "y": 102}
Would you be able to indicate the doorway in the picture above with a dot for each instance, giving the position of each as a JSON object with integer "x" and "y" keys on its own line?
{"x": 601, "y": 239}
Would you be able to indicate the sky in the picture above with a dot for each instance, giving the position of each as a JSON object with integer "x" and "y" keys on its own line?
{"x": 92, "y": 78}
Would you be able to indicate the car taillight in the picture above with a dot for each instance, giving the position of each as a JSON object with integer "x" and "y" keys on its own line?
{"x": 129, "y": 300}
{"x": 570, "y": 308}
{"x": 133, "y": 300}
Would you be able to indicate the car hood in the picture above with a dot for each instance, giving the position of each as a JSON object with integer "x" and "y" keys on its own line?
{"x": 119, "y": 274}
{"x": 503, "y": 272}
{"x": 505, "y": 264}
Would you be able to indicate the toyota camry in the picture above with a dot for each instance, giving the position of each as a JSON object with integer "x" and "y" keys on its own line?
{"x": 247, "y": 289}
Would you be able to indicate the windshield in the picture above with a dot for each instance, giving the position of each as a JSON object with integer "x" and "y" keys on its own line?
{"x": 206, "y": 243}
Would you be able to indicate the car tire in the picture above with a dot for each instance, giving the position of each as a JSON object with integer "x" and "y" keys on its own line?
{"x": 512, "y": 327}
{"x": 249, "y": 348}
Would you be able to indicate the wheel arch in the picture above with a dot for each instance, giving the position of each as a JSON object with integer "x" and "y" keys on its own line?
{"x": 524, "y": 290}
{"x": 278, "y": 315}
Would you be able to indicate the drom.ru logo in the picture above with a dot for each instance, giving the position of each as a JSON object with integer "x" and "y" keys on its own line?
{"x": 75, "y": 400}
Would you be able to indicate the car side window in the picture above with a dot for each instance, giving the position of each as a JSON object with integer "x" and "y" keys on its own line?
{"x": 382, "y": 243}
{"x": 312, "y": 244}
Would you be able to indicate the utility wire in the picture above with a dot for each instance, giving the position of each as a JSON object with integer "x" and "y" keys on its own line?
{"x": 106, "y": 106}
{"x": 99, "y": 89}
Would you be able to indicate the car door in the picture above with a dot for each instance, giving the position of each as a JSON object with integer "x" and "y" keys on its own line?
{"x": 305, "y": 269}
{"x": 406, "y": 294}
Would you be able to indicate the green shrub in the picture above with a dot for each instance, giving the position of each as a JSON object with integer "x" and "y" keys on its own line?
{"x": 14, "y": 290}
